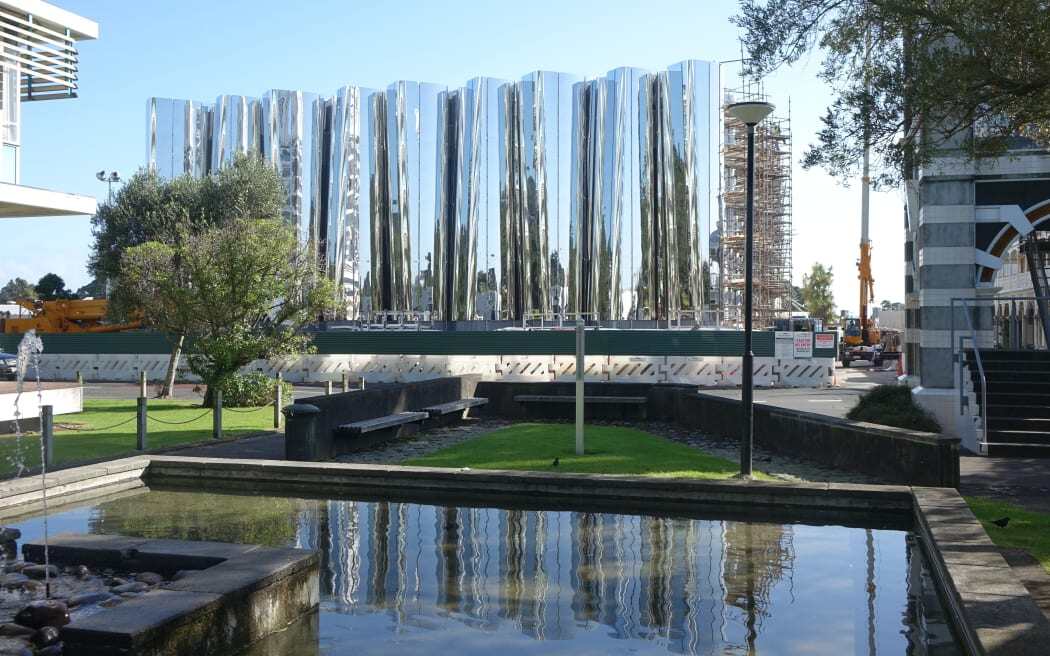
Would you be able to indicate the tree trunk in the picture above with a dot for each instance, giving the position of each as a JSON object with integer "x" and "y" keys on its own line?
{"x": 173, "y": 365}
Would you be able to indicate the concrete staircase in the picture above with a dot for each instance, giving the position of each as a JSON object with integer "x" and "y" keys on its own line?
{"x": 1018, "y": 412}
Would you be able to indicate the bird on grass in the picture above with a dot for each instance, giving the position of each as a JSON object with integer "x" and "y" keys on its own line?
{"x": 1001, "y": 522}
{"x": 555, "y": 463}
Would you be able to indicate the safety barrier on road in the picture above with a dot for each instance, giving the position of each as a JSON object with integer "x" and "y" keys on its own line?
{"x": 702, "y": 371}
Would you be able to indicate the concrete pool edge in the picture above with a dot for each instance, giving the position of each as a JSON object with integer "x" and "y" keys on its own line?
{"x": 991, "y": 610}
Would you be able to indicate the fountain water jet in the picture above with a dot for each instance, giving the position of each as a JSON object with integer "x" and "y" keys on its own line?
{"x": 29, "y": 350}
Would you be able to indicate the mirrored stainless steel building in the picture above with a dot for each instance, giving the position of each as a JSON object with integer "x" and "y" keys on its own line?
{"x": 499, "y": 200}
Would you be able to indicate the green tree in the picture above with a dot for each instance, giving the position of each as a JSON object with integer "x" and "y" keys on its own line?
{"x": 51, "y": 287}
{"x": 15, "y": 289}
{"x": 816, "y": 293}
{"x": 912, "y": 77}
{"x": 149, "y": 208}
{"x": 94, "y": 289}
{"x": 238, "y": 291}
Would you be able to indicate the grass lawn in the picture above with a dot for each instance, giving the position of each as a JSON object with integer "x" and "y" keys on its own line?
{"x": 1027, "y": 530}
{"x": 609, "y": 450}
{"x": 97, "y": 438}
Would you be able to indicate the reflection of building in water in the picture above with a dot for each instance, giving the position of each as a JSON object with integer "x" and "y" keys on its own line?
{"x": 549, "y": 574}
{"x": 757, "y": 558}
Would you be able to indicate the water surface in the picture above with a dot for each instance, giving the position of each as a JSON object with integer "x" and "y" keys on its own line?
{"x": 412, "y": 578}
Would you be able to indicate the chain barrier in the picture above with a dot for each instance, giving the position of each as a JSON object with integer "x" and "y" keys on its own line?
{"x": 92, "y": 428}
{"x": 179, "y": 423}
{"x": 262, "y": 407}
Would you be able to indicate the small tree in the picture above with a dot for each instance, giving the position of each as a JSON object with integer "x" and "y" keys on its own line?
{"x": 51, "y": 287}
{"x": 149, "y": 208}
{"x": 816, "y": 293}
{"x": 238, "y": 292}
{"x": 17, "y": 288}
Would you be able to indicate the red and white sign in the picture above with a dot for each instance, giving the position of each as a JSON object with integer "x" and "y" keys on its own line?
{"x": 824, "y": 341}
{"x": 804, "y": 345}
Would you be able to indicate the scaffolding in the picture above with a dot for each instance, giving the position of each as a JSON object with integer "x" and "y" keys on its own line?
{"x": 772, "y": 297}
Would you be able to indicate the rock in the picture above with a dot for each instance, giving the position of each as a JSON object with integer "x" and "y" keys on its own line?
{"x": 116, "y": 580}
{"x": 111, "y": 602}
{"x": 82, "y": 571}
{"x": 16, "y": 566}
{"x": 88, "y": 598}
{"x": 134, "y": 586}
{"x": 14, "y": 647}
{"x": 149, "y": 578}
{"x": 181, "y": 574}
{"x": 53, "y": 650}
{"x": 38, "y": 571}
{"x": 47, "y": 635}
{"x": 43, "y": 613}
{"x": 13, "y": 580}
{"x": 11, "y": 630}
{"x": 30, "y": 585}
{"x": 9, "y": 534}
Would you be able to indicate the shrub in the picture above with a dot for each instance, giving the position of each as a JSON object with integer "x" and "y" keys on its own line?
{"x": 893, "y": 405}
{"x": 251, "y": 390}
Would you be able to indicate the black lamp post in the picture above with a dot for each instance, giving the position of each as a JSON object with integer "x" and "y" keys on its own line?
{"x": 749, "y": 113}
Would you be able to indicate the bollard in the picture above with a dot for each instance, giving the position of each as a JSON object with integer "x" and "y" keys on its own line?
{"x": 362, "y": 381}
{"x": 140, "y": 425}
{"x": 277, "y": 403}
{"x": 346, "y": 382}
{"x": 142, "y": 384}
{"x": 580, "y": 350}
{"x": 216, "y": 415}
{"x": 328, "y": 388}
{"x": 47, "y": 433}
{"x": 80, "y": 378}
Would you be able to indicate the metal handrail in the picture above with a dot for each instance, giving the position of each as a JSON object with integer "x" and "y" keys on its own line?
{"x": 980, "y": 367}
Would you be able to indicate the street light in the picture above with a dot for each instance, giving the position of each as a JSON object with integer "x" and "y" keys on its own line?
{"x": 110, "y": 178}
{"x": 750, "y": 113}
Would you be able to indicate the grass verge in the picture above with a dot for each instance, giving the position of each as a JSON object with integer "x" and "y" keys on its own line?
{"x": 1027, "y": 530}
{"x": 95, "y": 433}
{"x": 609, "y": 450}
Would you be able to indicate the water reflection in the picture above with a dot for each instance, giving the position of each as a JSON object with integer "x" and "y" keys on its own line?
{"x": 422, "y": 578}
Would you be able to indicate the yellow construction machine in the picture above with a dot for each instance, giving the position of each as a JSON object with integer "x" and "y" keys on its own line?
{"x": 65, "y": 316}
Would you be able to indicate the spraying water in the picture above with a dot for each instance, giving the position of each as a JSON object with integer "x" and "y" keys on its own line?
{"x": 29, "y": 350}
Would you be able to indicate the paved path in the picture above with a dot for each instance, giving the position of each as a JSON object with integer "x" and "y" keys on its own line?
{"x": 1021, "y": 481}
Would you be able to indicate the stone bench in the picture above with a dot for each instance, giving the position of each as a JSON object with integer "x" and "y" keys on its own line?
{"x": 380, "y": 423}
{"x": 564, "y": 398}
{"x": 453, "y": 406}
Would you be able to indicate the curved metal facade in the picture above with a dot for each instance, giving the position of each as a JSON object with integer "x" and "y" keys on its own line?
{"x": 500, "y": 200}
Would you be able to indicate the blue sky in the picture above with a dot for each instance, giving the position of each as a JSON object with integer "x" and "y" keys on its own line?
{"x": 196, "y": 49}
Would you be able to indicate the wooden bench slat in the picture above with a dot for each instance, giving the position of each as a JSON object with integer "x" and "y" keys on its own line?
{"x": 454, "y": 406}
{"x": 560, "y": 398}
{"x": 379, "y": 423}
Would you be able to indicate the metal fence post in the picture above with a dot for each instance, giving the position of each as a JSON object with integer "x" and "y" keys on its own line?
{"x": 216, "y": 415}
{"x": 346, "y": 381}
{"x": 328, "y": 388}
{"x": 277, "y": 391}
{"x": 362, "y": 381}
{"x": 80, "y": 378}
{"x": 580, "y": 350}
{"x": 140, "y": 425}
{"x": 47, "y": 433}
{"x": 142, "y": 383}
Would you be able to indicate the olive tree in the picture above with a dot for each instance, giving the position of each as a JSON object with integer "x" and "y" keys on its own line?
{"x": 239, "y": 291}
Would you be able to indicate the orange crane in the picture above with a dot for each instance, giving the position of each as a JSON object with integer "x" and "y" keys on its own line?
{"x": 66, "y": 316}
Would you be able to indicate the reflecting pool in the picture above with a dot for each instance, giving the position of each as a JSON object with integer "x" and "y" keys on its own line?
{"x": 413, "y": 578}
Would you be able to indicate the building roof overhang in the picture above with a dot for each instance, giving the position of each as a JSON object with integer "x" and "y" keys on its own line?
{"x": 20, "y": 201}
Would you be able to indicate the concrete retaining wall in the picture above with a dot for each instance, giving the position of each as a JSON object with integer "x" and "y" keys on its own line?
{"x": 893, "y": 454}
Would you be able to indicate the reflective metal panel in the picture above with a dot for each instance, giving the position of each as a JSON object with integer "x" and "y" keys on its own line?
{"x": 342, "y": 199}
{"x": 285, "y": 125}
{"x": 177, "y": 137}
{"x": 236, "y": 129}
